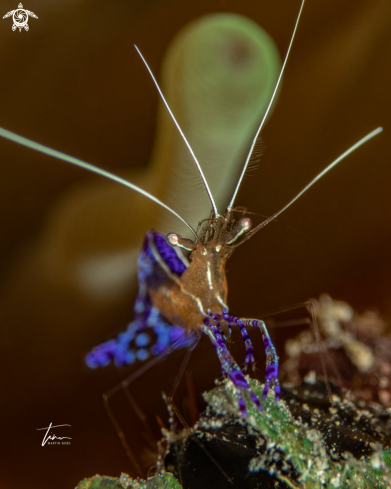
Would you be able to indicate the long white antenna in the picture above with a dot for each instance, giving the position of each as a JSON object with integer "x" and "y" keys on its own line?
{"x": 266, "y": 113}
{"x": 82, "y": 164}
{"x": 183, "y": 136}
{"x": 318, "y": 177}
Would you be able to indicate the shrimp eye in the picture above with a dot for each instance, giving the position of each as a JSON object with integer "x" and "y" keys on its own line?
{"x": 172, "y": 239}
{"x": 177, "y": 240}
{"x": 246, "y": 224}
{"x": 242, "y": 227}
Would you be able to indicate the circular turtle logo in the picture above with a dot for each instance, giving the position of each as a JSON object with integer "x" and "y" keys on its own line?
{"x": 20, "y": 16}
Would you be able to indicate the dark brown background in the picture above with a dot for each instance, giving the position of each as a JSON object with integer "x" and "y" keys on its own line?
{"x": 74, "y": 82}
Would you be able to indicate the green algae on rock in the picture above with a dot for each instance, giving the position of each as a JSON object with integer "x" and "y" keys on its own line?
{"x": 162, "y": 481}
{"x": 283, "y": 448}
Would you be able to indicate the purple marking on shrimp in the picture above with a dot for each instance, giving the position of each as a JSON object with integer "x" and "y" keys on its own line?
{"x": 242, "y": 406}
{"x": 277, "y": 391}
{"x": 229, "y": 366}
{"x": 216, "y": 318}
{"x": 271, "y": 356}
{"x": 227, "y": 319}
{"x": 271, "y": 370}
{"x": 101, "y": 355}
{"x": 168, "y": 253}
{"x": 217, "y": 334}
{"x": 238, "y": 379}
{"x": 149, "y": 333}
{"x": 272, "y": 379}
{"x": 249, "y": 359}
